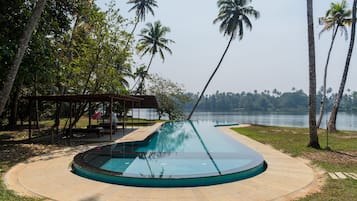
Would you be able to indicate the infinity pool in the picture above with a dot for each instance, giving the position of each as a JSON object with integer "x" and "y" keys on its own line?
{"x": 186, "y": 153}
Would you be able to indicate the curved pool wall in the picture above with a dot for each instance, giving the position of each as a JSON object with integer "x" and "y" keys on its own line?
{"x": 179, "y": 154}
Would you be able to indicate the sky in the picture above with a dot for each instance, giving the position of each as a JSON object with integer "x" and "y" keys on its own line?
{"x": 273, "y": 55}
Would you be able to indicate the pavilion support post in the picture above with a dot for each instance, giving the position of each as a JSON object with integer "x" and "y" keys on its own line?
{"x": 57, "y": 125}
{"x": 30, "y": 119}
{"x": 70, "y": 120}
{"x": 89, "y": 114}
{"x": 132, "y": 114}
{"x": 110, "y": 117}
{"x": 124, "y": 118}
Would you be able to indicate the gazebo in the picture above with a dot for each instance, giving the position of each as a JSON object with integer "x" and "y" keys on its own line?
{"x": 126, "y": 101}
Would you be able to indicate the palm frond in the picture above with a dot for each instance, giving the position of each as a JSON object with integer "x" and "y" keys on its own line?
{"x": 233, "y": 16}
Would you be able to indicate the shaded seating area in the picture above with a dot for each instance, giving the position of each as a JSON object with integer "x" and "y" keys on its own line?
{"x": 110, "y": 102}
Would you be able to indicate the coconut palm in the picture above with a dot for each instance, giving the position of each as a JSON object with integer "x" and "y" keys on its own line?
{"x": 140, "y": 74}
{"x": 233, "y": 15}
{"x": 141, "y": 7}
{"x": 336, "y": 18}
{"x": 153, "y": 41}
{"x": 314, "y": 140}
{"x": 336, "y": 105}
{"x": 22, "y": 47}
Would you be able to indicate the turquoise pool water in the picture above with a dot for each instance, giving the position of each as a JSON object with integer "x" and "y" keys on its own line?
{"x": 187, "y": 153}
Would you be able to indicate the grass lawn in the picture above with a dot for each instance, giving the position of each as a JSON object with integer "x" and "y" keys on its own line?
{"x": 342, "y": 158}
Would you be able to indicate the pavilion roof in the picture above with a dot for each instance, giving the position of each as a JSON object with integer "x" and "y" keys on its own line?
{"x": 144, "y": 101}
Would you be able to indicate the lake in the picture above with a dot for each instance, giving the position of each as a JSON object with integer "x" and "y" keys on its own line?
{"x": 345, "y": 121}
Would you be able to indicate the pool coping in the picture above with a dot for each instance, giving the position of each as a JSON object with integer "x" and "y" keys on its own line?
{"x": 49, "y": 176}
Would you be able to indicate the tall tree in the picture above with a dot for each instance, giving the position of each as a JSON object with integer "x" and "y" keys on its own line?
{"x": 336, "y": 105}
{"x": 233, "y": 15}
{"x": 171, "y": 97}
{"x": 314, "y": 140}
{"x": 141, "y": 7}
{"x": 153, "y": 41}
{"x": 22, "y": 46}
{"x": 337, "y": 17}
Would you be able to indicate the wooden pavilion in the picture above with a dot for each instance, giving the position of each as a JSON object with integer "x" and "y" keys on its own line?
{"x": 127, "y": 102}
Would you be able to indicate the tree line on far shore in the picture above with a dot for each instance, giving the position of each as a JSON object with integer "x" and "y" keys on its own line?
{"x": 294, "y": 101}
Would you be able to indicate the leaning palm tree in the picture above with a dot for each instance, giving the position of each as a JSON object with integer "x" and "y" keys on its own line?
{"x": 314, "y": 140}
{"x": 153, "y": 41}
{"x": 336, "y": 18}
{"x": 23, "y": 44}
{"x": 336, "y": 105}
{"x": 141, "y": 7}
{"x": 233, "y": 15}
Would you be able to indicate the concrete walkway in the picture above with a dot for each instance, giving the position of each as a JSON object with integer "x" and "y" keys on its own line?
{"x": 50, "y": 176}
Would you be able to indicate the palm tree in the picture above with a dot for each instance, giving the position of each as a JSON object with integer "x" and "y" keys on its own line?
{"x": 336, "y": 105}
{"x": 338, "y": 16}
{"x": 22, "y": 47}
{"x": 153, "y": 41}
{"x": 314, "y": 140}
{"x": 141, "y": 7}
{"x": 140, "y": 74}
{"x": 233, "y": 15}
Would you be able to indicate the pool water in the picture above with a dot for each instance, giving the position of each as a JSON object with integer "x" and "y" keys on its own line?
{"x": 185, "y": 153}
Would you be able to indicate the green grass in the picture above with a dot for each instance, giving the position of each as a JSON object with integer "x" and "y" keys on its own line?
{"x": 294, "y": 141}
{"x": 5, "y": 165}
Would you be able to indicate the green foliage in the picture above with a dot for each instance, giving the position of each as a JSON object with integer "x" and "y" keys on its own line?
{"x": 266, "y": 101}
{"x": 233, "y": 15}
{"x": 253, "y": 102}
{"x": 153, "y": 40}
{"x": 338, "y": 16}
{"x": 171, "y": 97}
{"x": 75, "y": 49}
{"x": 142, "y": 7}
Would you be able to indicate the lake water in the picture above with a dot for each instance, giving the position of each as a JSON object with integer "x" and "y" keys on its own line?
{"x": 345, "y": 121}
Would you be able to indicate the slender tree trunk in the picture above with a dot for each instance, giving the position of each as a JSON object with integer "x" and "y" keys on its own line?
{"x": 131, "y": 35}
{"x": 22, "y": 46}
{"x": 323, "y": 100}
{"x": 333, "y": 117}
{"x": 314, "y": 140}
{"x": 141, "y": 84}
{"x": 209, "y": 80}
{"x": 14, "y": 107}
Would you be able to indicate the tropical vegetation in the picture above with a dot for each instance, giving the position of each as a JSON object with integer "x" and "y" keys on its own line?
{"x": 142, "y": 8}
{"x": 267, "y": 101}
{"x": 334, "y": 111}
{"x": 152, "y": 41}
{"x": 336, "y": 18}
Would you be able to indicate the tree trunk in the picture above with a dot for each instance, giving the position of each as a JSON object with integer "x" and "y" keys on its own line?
{"x": 14, "y": 107}
{"x": 323, "y": 99}
{"x": 22, "y": 46}
{"x": 333, "y": 117}
{"x": 140, "y": 89}
{"x": 314, "y": 140}
{"x": 209, "y": 80}
{"x": 131, "y": 35}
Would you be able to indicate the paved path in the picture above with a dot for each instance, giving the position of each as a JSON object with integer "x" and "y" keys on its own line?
{"x": 49, "y": 176}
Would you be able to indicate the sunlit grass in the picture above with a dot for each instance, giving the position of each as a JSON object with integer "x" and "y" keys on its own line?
{"x": 294, "y": 141}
